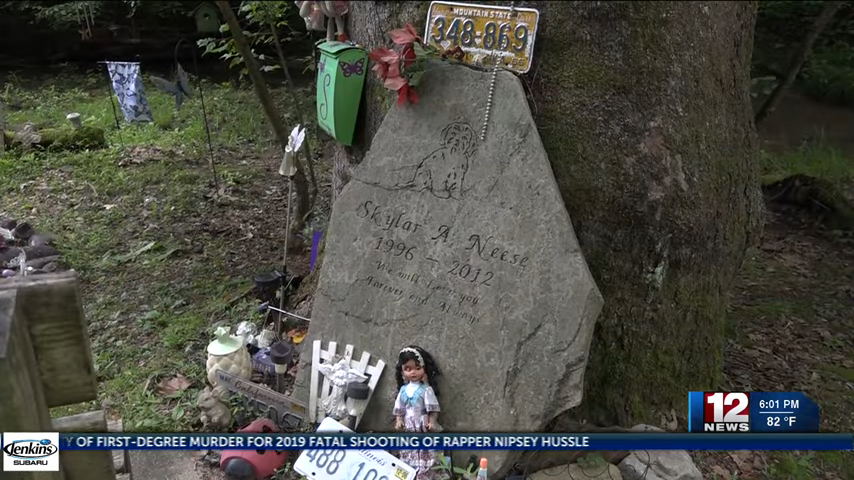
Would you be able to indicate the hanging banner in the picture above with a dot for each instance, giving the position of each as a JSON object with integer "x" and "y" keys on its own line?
{"x": 127, "y": 85}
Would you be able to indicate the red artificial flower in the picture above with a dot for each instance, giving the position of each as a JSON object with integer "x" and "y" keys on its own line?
{"x": 403, "y": 36}
{"x": 386, "y": 63}
{"x": 406, "y": 93}
{"x": 384, "y": 55}
{"x": 408, "y": 55}
{"x": 395, "y": 83}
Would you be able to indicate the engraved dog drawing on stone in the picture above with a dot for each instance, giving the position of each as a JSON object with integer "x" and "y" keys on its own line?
{"x": 443, "y": 171}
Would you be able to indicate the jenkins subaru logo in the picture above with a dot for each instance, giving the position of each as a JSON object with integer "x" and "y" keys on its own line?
{"x": 31, "y": 452}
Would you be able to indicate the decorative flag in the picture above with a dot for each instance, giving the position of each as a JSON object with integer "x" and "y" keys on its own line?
{"x": 127, "y": 84}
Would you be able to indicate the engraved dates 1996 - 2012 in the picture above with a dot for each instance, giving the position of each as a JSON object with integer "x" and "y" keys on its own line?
{"x": 487, "y": 249}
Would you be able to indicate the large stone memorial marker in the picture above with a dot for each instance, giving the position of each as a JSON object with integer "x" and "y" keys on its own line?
{"x": 464, "y": 248}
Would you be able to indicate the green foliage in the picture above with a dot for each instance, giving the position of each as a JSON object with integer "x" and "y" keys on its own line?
{"x": 66, "y": 15}
{"x": 258, "y": 17}
{"x": 117, "y": 213}
{"x": 828, "y": 74}
{"x": 787, "y": 20}
{"x": 812, "y": 159}
{"x": 461, "y": 473}
{"x": 792, "y": 467}
{"x": 59, "y": 15}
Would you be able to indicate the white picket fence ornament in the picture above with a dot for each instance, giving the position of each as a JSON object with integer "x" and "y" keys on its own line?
{"x": 322, "y": 391}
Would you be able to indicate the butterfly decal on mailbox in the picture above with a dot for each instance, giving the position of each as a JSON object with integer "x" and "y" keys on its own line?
{"x": 354, "y": 68}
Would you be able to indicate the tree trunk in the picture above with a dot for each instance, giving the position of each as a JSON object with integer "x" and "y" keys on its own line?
{"x": 798, "y": 60}
{"x": 652, "y": 143}
{"x": 300, "y": 183}
{"x": 91, "y": 138}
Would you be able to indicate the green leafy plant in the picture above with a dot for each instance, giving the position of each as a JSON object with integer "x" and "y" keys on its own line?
{"x": 459, "y": 472}
{"x": 260, "y": 17}
{"x": 792, "y": 467}
{"x": 829, "y": 75}
{"x": 592, "y": 461}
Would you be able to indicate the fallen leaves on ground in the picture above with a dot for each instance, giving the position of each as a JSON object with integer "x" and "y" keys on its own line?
{"x": 173, "y": 385}
{"x": 791, "y": 332}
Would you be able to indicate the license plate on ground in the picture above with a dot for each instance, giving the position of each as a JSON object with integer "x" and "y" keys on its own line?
{"x": 484, "y": 32}
{"x": 350, "y": 464}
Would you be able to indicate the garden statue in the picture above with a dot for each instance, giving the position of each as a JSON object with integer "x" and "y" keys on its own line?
{"x": 340, "y": 375}
{"x": 215, "y": 412}
{"x": 314, "y": 14}
{"x": 417, "y": 407}
{"x": 228, "y": 352}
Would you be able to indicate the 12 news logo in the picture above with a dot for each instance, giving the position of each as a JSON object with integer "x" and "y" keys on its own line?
{"x": 30, "y": 452}
{"x": 726, "y": 412}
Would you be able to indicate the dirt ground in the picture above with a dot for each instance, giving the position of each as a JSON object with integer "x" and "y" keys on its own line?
{"x": 791, "y": 320}
{"x": 791, "y": 328}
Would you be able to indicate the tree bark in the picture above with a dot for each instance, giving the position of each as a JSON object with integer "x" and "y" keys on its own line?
{"x": 798, "y": 60}
{"x": 652, "y": 143}
{"x": 242, "y": 45}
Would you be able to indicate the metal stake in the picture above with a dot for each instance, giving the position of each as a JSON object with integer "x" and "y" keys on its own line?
{"x": 285, "y": 260}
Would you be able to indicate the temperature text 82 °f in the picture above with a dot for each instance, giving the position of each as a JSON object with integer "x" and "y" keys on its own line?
{"x": 781, "y": 421}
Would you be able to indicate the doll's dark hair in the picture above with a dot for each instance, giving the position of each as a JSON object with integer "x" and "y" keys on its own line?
{"x": 429, "y": 365}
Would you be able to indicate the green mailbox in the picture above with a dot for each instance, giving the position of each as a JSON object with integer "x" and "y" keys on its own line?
{"x": 340, "y": 79}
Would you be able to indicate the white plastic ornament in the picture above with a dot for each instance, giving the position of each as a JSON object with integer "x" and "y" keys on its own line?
{"x": 295, "y": 141}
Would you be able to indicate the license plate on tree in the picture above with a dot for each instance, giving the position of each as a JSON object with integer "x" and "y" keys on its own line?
{"x": 329, "y": 464}
{"x": 485, "y": 33}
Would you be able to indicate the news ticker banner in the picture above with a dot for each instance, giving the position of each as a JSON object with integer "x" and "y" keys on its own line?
{"x": 754, "y": 412}
{"x": 453, "y": 441}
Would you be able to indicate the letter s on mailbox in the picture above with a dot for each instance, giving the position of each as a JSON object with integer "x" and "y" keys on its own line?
{"x": 340, "y": 79}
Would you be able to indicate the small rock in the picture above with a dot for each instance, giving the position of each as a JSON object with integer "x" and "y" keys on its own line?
{"x": 659, "y": 465}
{"x": 40, "y": 262}
{"x": 8, "y": 223}
{"x": 50, "y": 267}
{"x": 211, "y": 458}
{"x": 9, "y": 254}
{"x": 40, "y": 251}
{"x": 23, "y": 231}
{"x": 575, "y": 471}
{"x": 646, "y": 429}
{"x": 39, "y": 239}
{"x": 198, "y": 248}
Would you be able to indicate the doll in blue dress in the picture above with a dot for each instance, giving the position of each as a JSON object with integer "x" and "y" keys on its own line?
{"x": 417, "y": 407}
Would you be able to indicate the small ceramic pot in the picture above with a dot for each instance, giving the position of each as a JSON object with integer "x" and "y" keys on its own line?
{"x": 228, "y": 353}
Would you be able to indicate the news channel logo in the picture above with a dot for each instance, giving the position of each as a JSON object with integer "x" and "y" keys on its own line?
{"x": 31, "y": 452}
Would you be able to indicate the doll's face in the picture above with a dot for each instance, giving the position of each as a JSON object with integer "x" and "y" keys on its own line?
{"x": 413, "y": 372}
